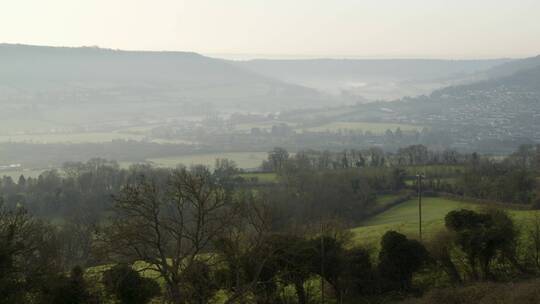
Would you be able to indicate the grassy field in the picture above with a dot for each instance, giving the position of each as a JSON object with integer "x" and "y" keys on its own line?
{"x": 376, "y": 128}
{"x": 243, "y": 159}
{"x": 404, "y": 218}
{"x": 9, "y": 126}
{"x": 385, "y": 199}
{"x": 261, "y": 177}
{"x": 15, "y": 174}
{"x": 266, "y": 125}
{"x": 85, "y": 137}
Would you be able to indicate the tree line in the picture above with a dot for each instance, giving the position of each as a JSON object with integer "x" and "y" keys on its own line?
{"x": 510, "y": 179}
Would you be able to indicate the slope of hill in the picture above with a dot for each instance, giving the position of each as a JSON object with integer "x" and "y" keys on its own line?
{"x": 512, "y": 67}
{"x": 372, "y": 78}
{"x": 523, "y": 79}
{"x": 404, "y": 218}
{"x": 38, "y": 75}
{"x": 493, "y": 115}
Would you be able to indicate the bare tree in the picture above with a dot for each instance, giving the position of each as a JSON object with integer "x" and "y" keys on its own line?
{"x": 246, "y": 251}
{"x": 172, "y": 227}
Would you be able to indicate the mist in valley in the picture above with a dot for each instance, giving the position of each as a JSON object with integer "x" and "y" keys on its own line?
{"x": 404, "y": 168}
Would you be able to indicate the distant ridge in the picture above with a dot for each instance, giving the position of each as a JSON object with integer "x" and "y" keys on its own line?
{"x": 373, "y": 79}
{"x": 512, "y": 67}
{"x": 160, "y": 75}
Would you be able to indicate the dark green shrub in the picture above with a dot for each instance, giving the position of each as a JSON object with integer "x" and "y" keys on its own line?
{"x": 127, "y": 285}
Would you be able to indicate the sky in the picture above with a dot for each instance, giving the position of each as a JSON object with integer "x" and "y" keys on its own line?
{"x": 283, "y": 28}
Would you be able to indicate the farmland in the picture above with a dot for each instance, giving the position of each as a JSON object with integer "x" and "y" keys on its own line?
{"x": 243, "y": 159}
{"x": 83, "y": 137}
{"x": 261, "y": 177}
{"x": 15, "y": 174}
{"x": 404, "y": 219}
{"x": 373, "y": 127}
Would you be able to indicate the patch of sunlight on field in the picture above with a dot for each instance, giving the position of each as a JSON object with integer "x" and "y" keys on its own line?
{"x": 374, "y": 127}
{"x": 404, "y": 219}
{"x": 261, "y": 177}
{"x": 244, "y": 160}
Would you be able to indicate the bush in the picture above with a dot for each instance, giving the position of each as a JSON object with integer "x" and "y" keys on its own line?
{"x": 128, "y": 286}
{"x": 66, "y": 290}
{"x": 399, "y": 259}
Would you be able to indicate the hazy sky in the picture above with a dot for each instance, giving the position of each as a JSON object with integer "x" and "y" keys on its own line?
{"x": 336, "y": 28}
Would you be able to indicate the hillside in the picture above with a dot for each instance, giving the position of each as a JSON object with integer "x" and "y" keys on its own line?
{"x": 404, "y": 218}
{"x": 512, "y": 67}
{"x": 372, "y": 78}
{"x": 47, "y": 75}
{"x": 493, "y": 115}
{"x": 523, "y": 80}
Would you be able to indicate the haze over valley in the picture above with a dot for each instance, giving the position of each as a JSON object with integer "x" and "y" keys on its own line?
{"x": 187, "y": 104}
{"x": 392, "y": 158}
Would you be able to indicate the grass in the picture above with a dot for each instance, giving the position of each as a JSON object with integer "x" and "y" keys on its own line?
{"x": 15, "y": 174}
{"x": 385, "y": 199}
{"x": 261, "y": 177}
{"x": 404, "y": 219}
{"x": 266, "y": 125}
{"x": 84, "y": 137}
{"x": 244, "y": 160}
{"x": 374, "y": 127}
{"x": 10, "y": 126}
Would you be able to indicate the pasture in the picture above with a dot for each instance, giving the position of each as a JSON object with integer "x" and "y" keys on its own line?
{"x": 244, "y": 160}
{"x": 386, "y": 199}
{"x": 373, "y": 127}
{"x": 15, "y": 174}
{"x": 83, "y": 137}
{"x": 269, "y": 177}
{"x": 404, "y": 219}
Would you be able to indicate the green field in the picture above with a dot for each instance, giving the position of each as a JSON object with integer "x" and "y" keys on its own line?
{"x": 404, "y": 218}
{"x": 10, "y": 126}
{"x": 386, "y": 199}
{"x": 374, "y": 127}
{"x": 261, "y": 177}
{"x": 84, "y": 137}
{"x": 243, "y": 159}
{"x": 266, "y": 125}
{"x": 15, "y": 174}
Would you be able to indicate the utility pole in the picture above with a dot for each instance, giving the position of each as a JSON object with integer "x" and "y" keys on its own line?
{"x": 419, "y": 177}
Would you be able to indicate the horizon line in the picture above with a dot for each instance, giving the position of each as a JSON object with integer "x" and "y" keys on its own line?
{"x": 245, "y": 56}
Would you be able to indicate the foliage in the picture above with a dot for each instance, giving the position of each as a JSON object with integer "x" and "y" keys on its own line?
{"x": 483, "y": 236}
{"x": 126, "y": 284}
{"x": 399, "y": 259}
{"x": 28, "y": 255}
{"x": 64, "y": 290}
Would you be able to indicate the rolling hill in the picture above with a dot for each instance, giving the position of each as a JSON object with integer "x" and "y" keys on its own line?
{"x": 51, "y": 75}
{"x": 372, "y": 78}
